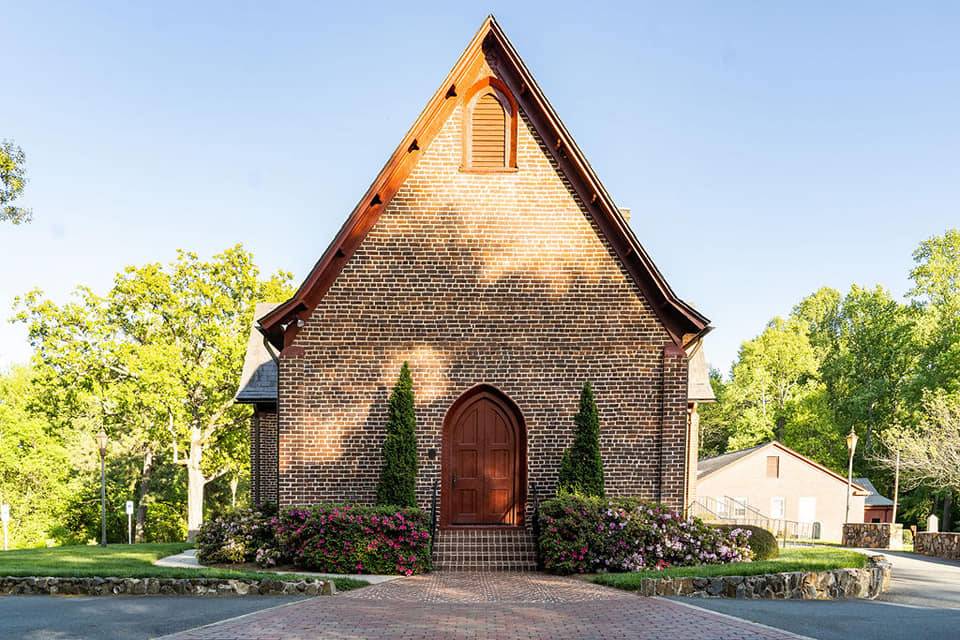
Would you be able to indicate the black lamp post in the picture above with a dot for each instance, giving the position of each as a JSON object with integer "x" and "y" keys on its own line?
{"x": 102, "y": 443}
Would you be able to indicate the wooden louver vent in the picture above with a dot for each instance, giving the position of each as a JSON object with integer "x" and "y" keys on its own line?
{"x": 488, "y": 134}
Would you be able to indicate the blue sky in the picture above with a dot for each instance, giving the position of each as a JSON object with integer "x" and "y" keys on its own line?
{"x": 766, "y": 149}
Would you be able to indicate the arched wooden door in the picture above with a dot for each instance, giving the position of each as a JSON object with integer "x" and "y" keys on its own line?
{"x": 483, "y": 462}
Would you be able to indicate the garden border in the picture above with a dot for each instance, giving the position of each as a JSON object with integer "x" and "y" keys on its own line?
{"x": 836, "y": 584}
{"x": 31, "y": 585}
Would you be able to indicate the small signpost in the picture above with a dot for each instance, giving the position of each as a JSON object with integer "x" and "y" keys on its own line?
{"x": 129, "y": 521}
{"x": 5, "y": 518}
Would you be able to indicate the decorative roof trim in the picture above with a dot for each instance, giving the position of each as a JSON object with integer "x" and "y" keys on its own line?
{"x": 682, "y": 322}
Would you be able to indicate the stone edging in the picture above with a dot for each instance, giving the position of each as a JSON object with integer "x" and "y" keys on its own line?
{"x": 163, "y": 586}
{"x": 867, "y": 583}
{"x": 938, "y": 544}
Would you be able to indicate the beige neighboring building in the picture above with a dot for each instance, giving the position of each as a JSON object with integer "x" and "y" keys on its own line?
{"x": 773, "y": 483}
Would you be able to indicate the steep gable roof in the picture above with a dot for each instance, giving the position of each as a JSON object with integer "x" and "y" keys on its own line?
{"x": 682, "y": 321}
{"x": 709, "y": 466}
{"x": 258, "y": 379}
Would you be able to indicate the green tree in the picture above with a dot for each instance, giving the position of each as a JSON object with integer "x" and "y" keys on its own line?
{"x": 936, "y": 290}
{"x": 714, "y": 421}
{"x": 772, "y": 371}
{"x": 156, "y": 361}
{"x": 872, "y": 363}
{"x": 12, "y": 180}
{"x": 581, "y": 468}
{"x": 398, "y": 477}
{"x": 36, "y": 470}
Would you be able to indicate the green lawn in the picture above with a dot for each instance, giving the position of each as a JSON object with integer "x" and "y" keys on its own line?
{"x": 790, "y": 559}
{"x": 121, "y": 561}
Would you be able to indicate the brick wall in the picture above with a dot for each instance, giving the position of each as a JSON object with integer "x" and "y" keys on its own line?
{"x": 263, "y": 456}
{"x": 482, "y": 278}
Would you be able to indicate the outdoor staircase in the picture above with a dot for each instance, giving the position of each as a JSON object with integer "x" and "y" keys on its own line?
{"x": 484, "y": 550}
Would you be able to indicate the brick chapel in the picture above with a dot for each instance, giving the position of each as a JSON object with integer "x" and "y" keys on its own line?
{"x": 489, "y": 256}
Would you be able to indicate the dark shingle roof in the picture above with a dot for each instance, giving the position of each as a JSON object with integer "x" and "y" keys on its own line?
{"x": 709, "y": 465}
{"x": 258, "y": 380}
{"x": 873, "y": 499}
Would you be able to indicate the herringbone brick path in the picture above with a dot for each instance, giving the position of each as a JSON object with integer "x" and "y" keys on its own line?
{"x": 500, "y": 605}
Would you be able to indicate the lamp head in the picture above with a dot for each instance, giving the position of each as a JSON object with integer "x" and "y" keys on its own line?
{"x": 102, "y": 441}
{"x": 851, "y": 441}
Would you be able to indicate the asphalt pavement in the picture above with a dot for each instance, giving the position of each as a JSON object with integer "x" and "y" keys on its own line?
{"x": 118, "y": 617}
{"x": 923, "y": 602}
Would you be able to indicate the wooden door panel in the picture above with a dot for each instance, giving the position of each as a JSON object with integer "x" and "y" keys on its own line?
{"x": 483, "y": 465}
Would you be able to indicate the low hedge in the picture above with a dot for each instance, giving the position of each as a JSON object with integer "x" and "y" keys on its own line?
{"x": 339, "y": 538}
{"x": 329, "y": 538}
{"x": 592, "y": 534}
{"x": 763, "y": 543}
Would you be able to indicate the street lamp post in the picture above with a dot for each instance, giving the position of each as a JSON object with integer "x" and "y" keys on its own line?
{"x": 851, "y": 447}
{"x": 102, "y": 443}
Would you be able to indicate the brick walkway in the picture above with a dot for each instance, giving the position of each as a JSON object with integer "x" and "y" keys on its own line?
{"x": 484, "y": 605}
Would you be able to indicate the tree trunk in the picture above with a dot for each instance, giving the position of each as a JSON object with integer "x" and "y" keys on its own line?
{"x": 778, "y": 433}
{"x": 234, "y": 484}
{"x": 195, "y": 484}
{"x": 146, "y": 475}
{"x": 947, "y": 522}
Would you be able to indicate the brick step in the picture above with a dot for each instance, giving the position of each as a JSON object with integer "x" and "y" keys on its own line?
{"x": 484, "y": 550}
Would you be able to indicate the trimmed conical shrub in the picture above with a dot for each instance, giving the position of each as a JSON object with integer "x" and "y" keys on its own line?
{"x": 581, "y": 469}
{"x": 398, "y": 478}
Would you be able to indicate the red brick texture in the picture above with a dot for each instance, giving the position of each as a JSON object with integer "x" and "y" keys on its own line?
{"x": 501, "y": 279}
{"x": 263, "y": 456}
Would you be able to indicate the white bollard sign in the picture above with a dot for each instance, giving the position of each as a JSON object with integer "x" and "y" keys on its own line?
{"x": 5, "y": 519}
{"x": 129, "y": 521}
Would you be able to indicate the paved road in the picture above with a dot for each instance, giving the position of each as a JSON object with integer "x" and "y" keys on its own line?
{"x": 120, "y": 618}
{"x": 923, "y": 602}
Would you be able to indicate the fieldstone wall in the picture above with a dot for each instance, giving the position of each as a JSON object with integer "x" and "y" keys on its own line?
{"x": 873, "y": 535}
{"x": 939, "y": 544}
{"x": 867, "y": 583}
{"x": 162, "y": 586}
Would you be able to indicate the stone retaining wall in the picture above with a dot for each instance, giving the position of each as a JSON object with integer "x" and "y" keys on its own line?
{"x": 873, "y": 535}
{"x": 939, "y": 544}
{"x": 868, "y": 583}
{"x": 162, "y": 586}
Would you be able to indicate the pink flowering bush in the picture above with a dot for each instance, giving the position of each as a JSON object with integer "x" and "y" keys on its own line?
{"x": 343, "y": 538}
{"x": 592, "y": 534}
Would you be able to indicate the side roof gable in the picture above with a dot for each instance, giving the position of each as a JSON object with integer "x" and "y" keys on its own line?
{"x": 709, "y": 466}
{"x": 490, "y": 44}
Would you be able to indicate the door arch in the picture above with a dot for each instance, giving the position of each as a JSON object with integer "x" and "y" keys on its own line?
{"x": 484, "y": 461}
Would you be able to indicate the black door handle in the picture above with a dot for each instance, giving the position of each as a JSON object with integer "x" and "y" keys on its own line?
{"x": 454, "y": 480}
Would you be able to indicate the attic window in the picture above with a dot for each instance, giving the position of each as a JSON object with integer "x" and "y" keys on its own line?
{"x": 773, "y": 466}
{"x": 489, "y": 128}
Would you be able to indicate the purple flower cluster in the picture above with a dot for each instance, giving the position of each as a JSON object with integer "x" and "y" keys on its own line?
{"x": 585, "y": 534}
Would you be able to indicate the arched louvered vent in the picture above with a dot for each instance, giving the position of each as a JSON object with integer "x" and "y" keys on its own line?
{"x": 488, "y": 134}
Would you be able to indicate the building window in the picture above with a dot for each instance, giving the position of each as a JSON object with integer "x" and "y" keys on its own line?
{"x": 489, "y": 128}
{"x": 740, "y": 507}
{"x": 721, "y": 506}
{"x": 776, "y": 507}
{"x": 773, "y": 466}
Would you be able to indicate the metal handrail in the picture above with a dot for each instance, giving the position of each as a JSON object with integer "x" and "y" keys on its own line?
{"x": 433, "y": 515}
{"x": 536, "y": 523}
{"x": 784, "y": 530}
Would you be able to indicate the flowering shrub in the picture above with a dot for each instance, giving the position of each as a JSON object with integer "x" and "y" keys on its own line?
{"x": 341, "y": 538}
{"x": 234, "y": 537}
{"x": 589, "y": 534}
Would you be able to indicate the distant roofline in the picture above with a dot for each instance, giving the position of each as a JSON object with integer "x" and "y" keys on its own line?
{"x": 750, "y": 451}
